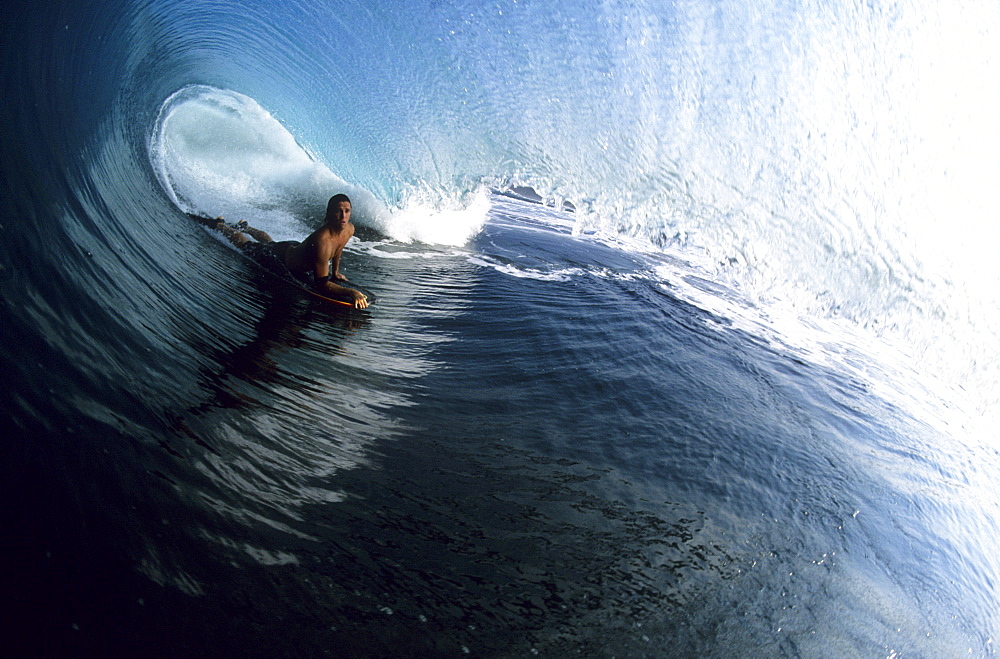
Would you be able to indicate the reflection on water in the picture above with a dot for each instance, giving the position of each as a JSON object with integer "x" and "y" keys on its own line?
{"x": 308, "y": 394}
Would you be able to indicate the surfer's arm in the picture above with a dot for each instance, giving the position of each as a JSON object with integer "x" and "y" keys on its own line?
{"x": 327, "y": 288}
{"x": 322, "y": 283}
{"x": 349, "y": 231}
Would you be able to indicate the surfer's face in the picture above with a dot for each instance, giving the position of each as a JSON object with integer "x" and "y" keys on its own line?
{"x": 340, "y": 214}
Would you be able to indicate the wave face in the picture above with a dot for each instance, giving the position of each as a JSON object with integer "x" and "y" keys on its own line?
{"x": 685, "y": 340}
{"x": 827, "y": 159}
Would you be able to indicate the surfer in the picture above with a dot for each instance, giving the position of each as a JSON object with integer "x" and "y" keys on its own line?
{"x": 309, "y": 260}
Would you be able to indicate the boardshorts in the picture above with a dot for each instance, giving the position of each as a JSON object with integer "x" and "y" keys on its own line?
{"x": 270, "y": 256}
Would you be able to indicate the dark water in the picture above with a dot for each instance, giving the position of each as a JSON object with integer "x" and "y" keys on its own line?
{"x": 538, "y": 441}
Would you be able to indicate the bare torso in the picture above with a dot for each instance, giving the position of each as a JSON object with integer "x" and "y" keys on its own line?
{"x": 323, "y": 247}
{"x": 313, "y": 255}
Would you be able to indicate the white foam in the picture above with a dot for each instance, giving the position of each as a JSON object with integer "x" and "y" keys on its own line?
{"x": 563, "y": 274}
{"x": 433, "y": 218}
{"x": 217, "y": 152}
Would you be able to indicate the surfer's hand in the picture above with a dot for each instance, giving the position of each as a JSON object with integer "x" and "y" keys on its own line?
{"x": 339, "y": 277}
{"x": 360, "y": 300}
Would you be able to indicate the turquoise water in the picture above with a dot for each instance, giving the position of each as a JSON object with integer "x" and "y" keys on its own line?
{"x": 683, "y": 343}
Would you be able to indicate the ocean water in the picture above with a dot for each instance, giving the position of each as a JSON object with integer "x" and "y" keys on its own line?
{"x": 685, "y": 342}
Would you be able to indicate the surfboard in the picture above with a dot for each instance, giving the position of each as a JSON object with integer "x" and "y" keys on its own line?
{"x": 288, "y": 279}
{"x": 292, "y": 281}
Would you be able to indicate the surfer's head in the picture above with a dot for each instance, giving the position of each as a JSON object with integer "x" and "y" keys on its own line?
{"x": 338, "y": 210}
{"x": 336, "y": 199}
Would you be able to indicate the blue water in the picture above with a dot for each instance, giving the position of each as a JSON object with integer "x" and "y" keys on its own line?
{"x": 684, "y": 344}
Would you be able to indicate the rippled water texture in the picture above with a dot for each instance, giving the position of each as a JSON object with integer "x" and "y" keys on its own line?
{"x": 683, "y": 342}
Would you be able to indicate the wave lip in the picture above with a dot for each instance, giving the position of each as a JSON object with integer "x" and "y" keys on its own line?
{"x": 218, "y": 152}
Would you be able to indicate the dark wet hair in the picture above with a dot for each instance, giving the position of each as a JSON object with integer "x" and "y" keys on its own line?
{"x": 336, "y": 199}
